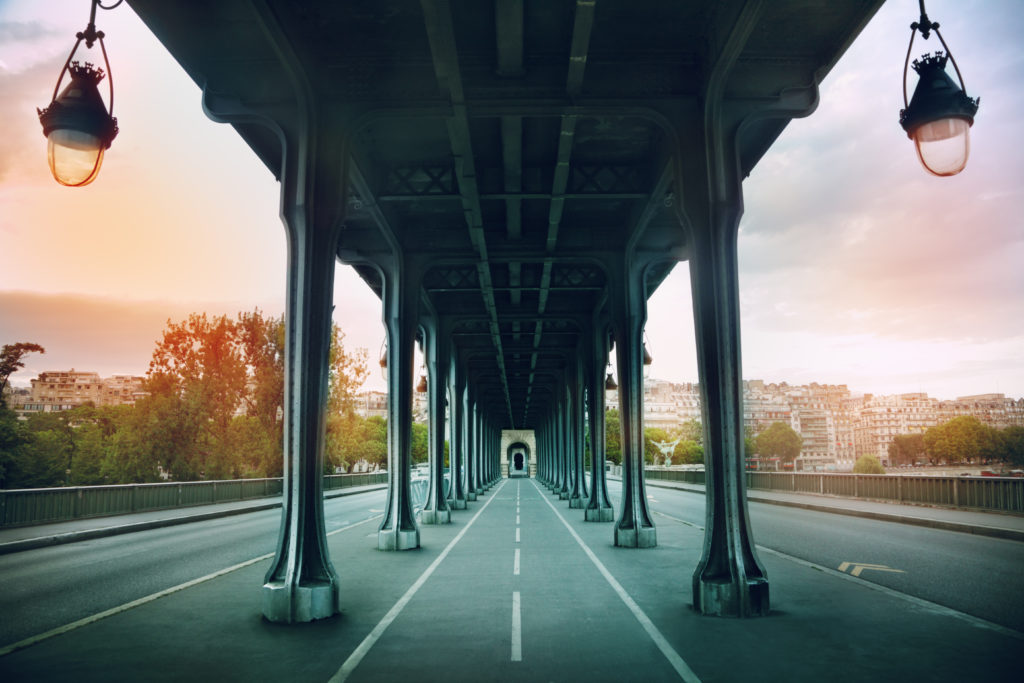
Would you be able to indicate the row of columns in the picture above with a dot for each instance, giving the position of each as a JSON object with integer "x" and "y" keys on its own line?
{"x": 302, "y": 584}
{"x": 563, "y": 436}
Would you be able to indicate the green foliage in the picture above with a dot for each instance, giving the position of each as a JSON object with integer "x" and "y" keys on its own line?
{"x": 1011, "y": 446}
{"x": 779, "y": 440}
{"x": 420, "y": 444}
{"x": 906, "y": 449}
{"x": 612, "y": 436}
{"x": 11, "y": 359}
{"x": 962, "y": 439}
{"x": 652, "y": 455}
{"x": 868, "y": 464}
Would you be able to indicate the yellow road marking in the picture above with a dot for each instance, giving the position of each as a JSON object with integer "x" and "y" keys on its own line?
{"x": 858, "y": 567}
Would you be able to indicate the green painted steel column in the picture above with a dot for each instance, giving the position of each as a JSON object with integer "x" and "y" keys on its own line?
{"x": 456, "y": 446}
{"x": 470, "y": 451}
{"x": 577, "y": 499}
{"x": 398, "y": 530}
{"x": 437, "y": 343}
{"x": 599, "y": 508}
{"x": 301, "y": 584}
{"x": 634, "y": 527}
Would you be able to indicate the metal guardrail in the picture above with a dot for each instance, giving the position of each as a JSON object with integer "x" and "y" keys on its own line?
{"x": 23, "y": 507}
{"x": 1001, "y": 494}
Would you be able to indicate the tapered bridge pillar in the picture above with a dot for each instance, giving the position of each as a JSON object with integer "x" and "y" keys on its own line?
{"x": 437, "y": 342}
{"x": 398, "y": 530}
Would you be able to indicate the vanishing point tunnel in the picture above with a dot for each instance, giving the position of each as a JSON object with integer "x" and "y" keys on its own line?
{"x": 513, "y": 179}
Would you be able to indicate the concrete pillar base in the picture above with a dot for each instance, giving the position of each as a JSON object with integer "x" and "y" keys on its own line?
{"x": 644, "y": 537}
{"x": 389, "y": 539}
{"x": 307, "y": 602}
{"x": 745, "y": 598}
{"x": 599, "y": 514}
{"x": 563, "y": 495}
{"x": 471, "y": 496}
{"x": 436, "y": 517}
{"x": 459, "y": 504}
{"x": 577, "y": 503}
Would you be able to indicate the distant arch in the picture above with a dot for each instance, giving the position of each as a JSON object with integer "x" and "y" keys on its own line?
{"x": 518, "y": 453}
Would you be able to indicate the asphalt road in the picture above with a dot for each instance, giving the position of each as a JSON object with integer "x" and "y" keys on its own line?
{"x": 49, "y": 587}
{"x": 977, "y": 575}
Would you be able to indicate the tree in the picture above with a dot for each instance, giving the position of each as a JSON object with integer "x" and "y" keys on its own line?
{"x": 11, "y": 360}
{"x": 688, "y": 453}
{"x": 652, "y": 454}
{"x": 1011, "y": 445}
{"x": 906, "y": 449}
{"x": 612, "y": 436}
{"x": 779, "y": 440}
{"x": 348, "y": 372}
{"x": 868, "y": 464}
{"x": 962, "y": 439}
{"x": 12, "y": 439}
{"x": 420, "y": 442}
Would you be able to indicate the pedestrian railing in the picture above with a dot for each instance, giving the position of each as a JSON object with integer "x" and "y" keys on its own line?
{"x": 1002, "y": 494}
{"x": 22, "y": 507}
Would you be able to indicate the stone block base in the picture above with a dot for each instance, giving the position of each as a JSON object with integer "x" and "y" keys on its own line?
{"x": 599, "y": 514}
{"x": 471, "y": 496}
{"x": 436, "y": 516}
{"x": 577, "y": 503}
{"x": 457, "y": 504}
{"x": 644, "y": 537}
{"x": 389, "y": 539}
{"x": 306, "y": 602}
{"x": 724, "y": 598}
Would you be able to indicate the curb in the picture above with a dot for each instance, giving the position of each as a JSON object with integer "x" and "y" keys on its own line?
{"x": 103, "y": 532}
{"x": 976, "y": 529}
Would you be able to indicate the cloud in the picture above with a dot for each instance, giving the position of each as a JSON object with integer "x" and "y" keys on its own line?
{"x": 24, "y": 31}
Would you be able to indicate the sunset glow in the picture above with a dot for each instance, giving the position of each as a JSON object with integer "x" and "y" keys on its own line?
{"x": 857, "y": 266}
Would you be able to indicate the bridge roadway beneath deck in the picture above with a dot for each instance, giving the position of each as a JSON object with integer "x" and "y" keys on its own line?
{"x": 520, "y": 588}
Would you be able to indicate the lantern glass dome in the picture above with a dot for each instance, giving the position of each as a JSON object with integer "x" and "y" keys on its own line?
{"x": 75, "y": 156}
{"x": 943, "y": 146}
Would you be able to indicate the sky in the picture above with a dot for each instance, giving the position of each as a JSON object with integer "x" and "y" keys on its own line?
{"x": 856, "y": 266}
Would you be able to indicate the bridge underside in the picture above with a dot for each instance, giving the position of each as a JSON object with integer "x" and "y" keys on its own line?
{"x": 513, "y": 180}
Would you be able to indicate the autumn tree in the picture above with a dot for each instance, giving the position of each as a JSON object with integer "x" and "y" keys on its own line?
{"x": 779, "y": 440}
{"x": 12, "y": 359}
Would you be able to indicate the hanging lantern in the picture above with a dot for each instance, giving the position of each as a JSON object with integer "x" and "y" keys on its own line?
{"x": 939, "y": 116}
{"x": 422, "y": 386}
{"x": 77, "y": 124}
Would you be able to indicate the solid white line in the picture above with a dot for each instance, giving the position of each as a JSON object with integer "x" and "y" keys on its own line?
{"x": 681, "y": 667}
{"x": 515, "y": 564}
{"x": 370, "y": 640}
{"x": 517, "y": 534}
{"x": 32, "y": 640}
{"x": 517, "y": 629}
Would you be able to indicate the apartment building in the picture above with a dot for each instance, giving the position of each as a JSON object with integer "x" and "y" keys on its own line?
{"x": 56, "y": 390}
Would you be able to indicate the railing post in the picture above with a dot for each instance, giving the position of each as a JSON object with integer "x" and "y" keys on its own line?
{"x": 956, "y": 491}
{"x": 899, "y": 489}
{"x": 821, "y": 484}
{"x": 856, "y": 486}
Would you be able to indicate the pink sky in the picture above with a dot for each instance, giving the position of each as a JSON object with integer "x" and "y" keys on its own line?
{"x": 856, "y": 266}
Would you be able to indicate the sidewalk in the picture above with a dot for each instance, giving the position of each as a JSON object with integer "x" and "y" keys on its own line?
{"x": 994, "y": 524}
{"x": 16, "y": 539}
